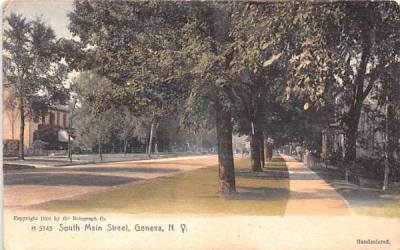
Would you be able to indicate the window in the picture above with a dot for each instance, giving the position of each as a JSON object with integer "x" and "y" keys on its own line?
{"x": 65, "y": 120}
{"x": 58, "y": 118}
{"x": 52, "y": 118}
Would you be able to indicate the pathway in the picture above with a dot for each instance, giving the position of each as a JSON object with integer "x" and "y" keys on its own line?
{"x": 310, "y": 194}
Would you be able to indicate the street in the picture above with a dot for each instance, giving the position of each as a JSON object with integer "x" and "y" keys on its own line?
{"x": 302, "y": 225}
{"x": 33, "y": 186}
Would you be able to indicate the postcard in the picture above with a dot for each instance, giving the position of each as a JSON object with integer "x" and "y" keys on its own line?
{"x": 201, "y": 124}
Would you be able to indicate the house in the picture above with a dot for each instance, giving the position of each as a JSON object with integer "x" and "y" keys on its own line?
{"x": 332, "y": 142}
{"x": 53, "y": 124}
{"x": 371, "y": 135}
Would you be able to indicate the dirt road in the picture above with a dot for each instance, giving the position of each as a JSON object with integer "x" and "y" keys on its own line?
{"x": 33, "y": 186}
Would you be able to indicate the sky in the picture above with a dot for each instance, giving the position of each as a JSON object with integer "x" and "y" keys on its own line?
{"x": 53, "y": 12}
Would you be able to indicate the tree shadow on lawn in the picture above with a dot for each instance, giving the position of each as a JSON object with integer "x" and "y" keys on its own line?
{"x": 304, "y": 177}
{"x": 173, "y": 163}
{"x": 268, "y": 185}
{"x": 267, "y": 193}
{"x": 267, "y": 175}
{"x": 274, "y": 160}
{"x": 126, "y": 170}
{"x": 261, "y": 193}
{"x": 277, "y": 174}
{"x": 188, "y": 192}
{"x": 357, "y": 196}
{"x": 66, "y": 179}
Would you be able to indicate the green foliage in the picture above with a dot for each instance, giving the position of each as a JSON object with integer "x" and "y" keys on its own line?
{"x": 290, "y": 123}
{"x": 349, "y": 45}
{"x": 250, "y": 57}
{"x": 10, "y": 147}
{"x": 130, "y": 44}
{"x": 94, "y": 124}
{"x": 49, "y": 136}
{"x": 93, "y": 129}
{"x": 32, "y": 66}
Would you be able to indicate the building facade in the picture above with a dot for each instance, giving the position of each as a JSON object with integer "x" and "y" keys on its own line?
{"x": 371, "y": 135}
{"x": 56, "y": 120}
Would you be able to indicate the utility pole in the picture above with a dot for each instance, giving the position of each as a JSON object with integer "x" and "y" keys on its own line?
{"x": 71, "y": 112}
{"x": 150, "y": 139}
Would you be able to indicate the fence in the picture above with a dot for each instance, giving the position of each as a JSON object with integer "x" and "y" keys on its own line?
{"x": 312, "y": 160}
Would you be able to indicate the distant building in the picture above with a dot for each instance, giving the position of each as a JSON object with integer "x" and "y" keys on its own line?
{"x": 371, "y": 137}
{"x": 56, "y": 121}
{"x": 332, "y": 141}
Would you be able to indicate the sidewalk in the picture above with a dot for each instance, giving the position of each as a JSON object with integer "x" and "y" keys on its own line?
{"x": 310, "y": 194}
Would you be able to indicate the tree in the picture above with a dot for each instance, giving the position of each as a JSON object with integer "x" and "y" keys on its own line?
{"x": 257, "y": 67}
{"x": 208, "y": 43}
{"x": 151, "y": 48}
{"x": 94, "y": 125}
{"x": 387, "y": 95}
{"x": 94, "y": 129}
{"x": 10, "y": 104}
{"x": 127, "y": 124}
{"x": 347, "y": 46}
{"x": 32, "y": 68}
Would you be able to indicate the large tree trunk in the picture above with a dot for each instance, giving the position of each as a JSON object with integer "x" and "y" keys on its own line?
{"x": 225, "y": 153}
{"x": 393, "y": 120}
{"x": 125, "y": 145}
{"x": 262, "y": 157}
{"x": 359, "y": 93}
{"x": 21, "y": 153}
{"x": 255, "y": 139}
{"x": 100, "y": 153}
{"x": 391, "y": 143}
{"x": 351, "y": 133}
{"x": 266, "y": 149}
{"x": 393, "y": 140}
{"x": 69, "y": 147}
{"x": 350, "y": 144}
{"x": 150, "y": 139}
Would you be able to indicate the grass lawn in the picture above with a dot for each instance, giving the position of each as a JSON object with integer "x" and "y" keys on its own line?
{"x": 363, "y": 201}
{"x": 386, "y": 210}
{"x": 191, "y": 192}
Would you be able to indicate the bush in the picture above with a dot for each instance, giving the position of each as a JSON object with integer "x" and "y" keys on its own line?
{"x": 10, "y": 147}
{"x": 37, "y": 148}
{"x": 395, "y": 171}
{"x": 371, "y": 168}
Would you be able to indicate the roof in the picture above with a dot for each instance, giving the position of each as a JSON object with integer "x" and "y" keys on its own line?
{"x": 58, "y": 107}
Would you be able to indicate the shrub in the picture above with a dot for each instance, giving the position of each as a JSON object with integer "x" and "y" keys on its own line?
{"x": 10, "y": 147}
{"x": 371, "y": 168}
